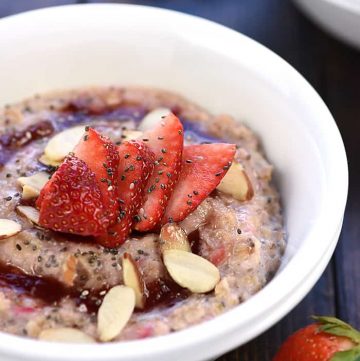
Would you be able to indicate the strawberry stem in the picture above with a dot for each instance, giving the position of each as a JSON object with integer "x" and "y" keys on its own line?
{"x": 334, "y": 326}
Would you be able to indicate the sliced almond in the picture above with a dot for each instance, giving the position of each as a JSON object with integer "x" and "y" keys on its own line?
{"x": 191, "y": 271}
{"x": 29, "y": 193}
{"x": 115, "y": 311}
{"x": 172, "y": 236}
{"x": 153, "y": 118}
{"x": 134, "y": 279}
{"x": 63, "y": 143}
{"x": 49, "y": 162}
{"x": 131, "y": 134}
{"x": 31, "y": 213}
{"x": 68, "y": 335}
{"x": 237, "y": 183}
{"x": 37, "y": 180}
{"x": 32, "y": 185}
{"x": 8, "y": 228}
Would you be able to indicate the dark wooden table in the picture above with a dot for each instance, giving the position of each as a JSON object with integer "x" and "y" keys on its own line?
{"x": 334, "y": 70}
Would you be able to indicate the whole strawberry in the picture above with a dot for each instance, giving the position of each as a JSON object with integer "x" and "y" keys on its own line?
{"x": 329, "y": 339}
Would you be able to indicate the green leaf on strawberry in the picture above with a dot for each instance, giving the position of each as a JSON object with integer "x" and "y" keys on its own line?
{"x": 349, "y": 355}
{"x": 337, "y": 327}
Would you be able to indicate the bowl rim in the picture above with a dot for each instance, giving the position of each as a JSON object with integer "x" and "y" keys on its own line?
{"x": 218, "y": 335}
{"x": 350, "y": 5}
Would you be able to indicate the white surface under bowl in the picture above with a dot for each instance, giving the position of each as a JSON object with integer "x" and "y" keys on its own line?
{"x": 339, "y": 17}
{"x": 225, "y": 72}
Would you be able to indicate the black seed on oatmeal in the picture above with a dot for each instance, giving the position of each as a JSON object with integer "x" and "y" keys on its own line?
{"x": 18, "y": 247}
{"x": 8, "y": 199}
{"x": 8, "y": 175}
{"x": 145, "y": 139}
{"x": 238, "y": 231}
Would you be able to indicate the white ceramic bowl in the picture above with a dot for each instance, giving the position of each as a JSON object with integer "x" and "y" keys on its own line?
{"x": 225, "y": 72}
{"x": 339, "y": 17}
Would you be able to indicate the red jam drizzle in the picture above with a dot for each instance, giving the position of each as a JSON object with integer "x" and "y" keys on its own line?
{"x": 161, "y": 293}
{"x": 165, "y": 293}
{"x": 11, "y": 141}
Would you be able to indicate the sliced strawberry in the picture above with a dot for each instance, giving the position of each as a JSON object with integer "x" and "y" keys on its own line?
{"x": 166, "y": 141}
{"x": 203, "y": 167}
{"x": 71, "y": 201}
{"x": 135, "y": 166}
{"x": 102, "y": 157}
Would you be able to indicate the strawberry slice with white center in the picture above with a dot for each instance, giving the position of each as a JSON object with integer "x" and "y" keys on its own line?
{"x": 135, "y": 166}
{"x": 71, "y": 201}
{"x": 166, "y": 141}
{"x": 203, "y": 167}
{"x": 102, "y": 157}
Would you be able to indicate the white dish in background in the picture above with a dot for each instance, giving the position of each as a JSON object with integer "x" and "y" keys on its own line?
{"x": 339, "y": 17}
{"x": 223, "y": 71}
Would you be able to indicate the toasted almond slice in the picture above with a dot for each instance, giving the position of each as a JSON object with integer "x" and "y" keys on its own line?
{"x": 237, "y": 183}
{"x": 63, "y": 143}
{"x": 131, "y": 134}
{"x": 134, "y": 279}
{"x": 69, "y": 270}
{"x": 37, "y": 180}
{"x": 31, "y": 213}
{"x": 191, "y": 271}
{"x": 172, "y": 236}
{"x": 115, "y": 311}
{"x": 29, "y": 192}
{"x": 153, "y": 118}
{"x": 49, "y": 162}
{"x": 32, "y": 185}
{"x": 8, "y": 228}
{"x": 68, "y": 335}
